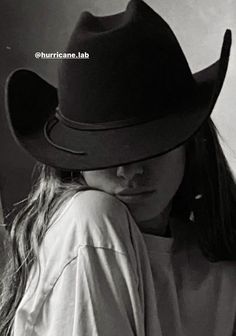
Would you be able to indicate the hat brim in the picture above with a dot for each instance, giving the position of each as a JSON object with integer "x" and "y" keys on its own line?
{"x": 31, "y": 102}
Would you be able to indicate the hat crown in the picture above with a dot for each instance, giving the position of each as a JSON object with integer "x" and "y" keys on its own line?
{"x": 136, "y": 67}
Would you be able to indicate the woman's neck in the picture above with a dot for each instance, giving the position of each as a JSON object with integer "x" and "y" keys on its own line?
{"x": 158, "y": 225}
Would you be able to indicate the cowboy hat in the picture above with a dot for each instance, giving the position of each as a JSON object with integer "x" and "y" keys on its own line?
{"x": 133, "y": 98}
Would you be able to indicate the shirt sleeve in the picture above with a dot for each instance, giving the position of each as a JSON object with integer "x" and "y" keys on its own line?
{"x": 96, "y": 295}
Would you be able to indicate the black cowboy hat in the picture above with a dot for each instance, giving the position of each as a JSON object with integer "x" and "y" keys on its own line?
{"x": 134, "y": 97}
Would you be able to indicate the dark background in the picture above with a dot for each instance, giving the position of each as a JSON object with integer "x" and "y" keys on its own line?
{"x": 28, "y": 26}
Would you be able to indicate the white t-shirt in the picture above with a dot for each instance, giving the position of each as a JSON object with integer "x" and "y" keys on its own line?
{"x": 100, "y": 276}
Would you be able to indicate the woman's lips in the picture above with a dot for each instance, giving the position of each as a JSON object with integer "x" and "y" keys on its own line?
{"x": 134, "y": 196}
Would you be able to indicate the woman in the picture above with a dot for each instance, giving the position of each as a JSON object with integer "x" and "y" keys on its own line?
{"x": 130, "y": 229}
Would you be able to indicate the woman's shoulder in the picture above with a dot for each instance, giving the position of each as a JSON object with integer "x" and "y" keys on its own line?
{"x": 90, "y": 217}
{"x": 95, "y": 202}
{"x": 87, "y": 204}
{"x": 90, "y": 220}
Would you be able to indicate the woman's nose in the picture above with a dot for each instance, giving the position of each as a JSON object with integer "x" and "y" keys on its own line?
{"x": 129, "y": 171}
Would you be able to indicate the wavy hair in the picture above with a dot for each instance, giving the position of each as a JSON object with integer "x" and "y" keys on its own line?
{"x": 208, "y": 192}
{"x": 50, "y": 192}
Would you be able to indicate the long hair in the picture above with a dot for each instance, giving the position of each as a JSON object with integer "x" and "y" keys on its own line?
{"x": 208, "y": 191}
{"x": 51, "y": 190}
{"x": 208, "y": 194}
